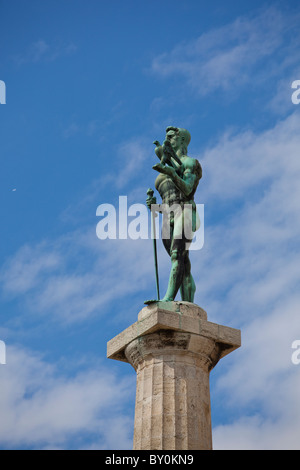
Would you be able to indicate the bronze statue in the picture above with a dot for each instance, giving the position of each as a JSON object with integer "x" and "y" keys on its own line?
{"x": 176, "y": 183}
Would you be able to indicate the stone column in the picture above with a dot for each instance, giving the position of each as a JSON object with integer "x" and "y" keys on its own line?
{"x": 173, "y": 348}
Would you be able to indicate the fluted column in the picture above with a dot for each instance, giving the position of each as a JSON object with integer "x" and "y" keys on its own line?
{"x": 173, "y": 352}
{"x": 173, "y": 398}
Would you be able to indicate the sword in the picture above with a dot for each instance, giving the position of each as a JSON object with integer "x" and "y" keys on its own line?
{"x": 150, "y": 193}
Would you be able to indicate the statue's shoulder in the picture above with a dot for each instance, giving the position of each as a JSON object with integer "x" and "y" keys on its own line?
{"x": 193, "y": 164}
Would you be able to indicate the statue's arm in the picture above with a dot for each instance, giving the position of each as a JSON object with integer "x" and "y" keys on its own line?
{"x": 187, "y": 183}
{"x": 189, "y": 180}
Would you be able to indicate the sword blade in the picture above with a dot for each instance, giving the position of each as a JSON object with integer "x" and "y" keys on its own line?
{"x": 155, "y": 253}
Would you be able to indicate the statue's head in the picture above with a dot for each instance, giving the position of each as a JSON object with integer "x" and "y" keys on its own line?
{"x": 179, "y": 138}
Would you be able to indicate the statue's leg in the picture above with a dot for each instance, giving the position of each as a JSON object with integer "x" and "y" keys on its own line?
{"x": 167, "y": 233}
{"x": 188, "y": 286}
{"x": 167, "y": 242}
{"x": 177, "y": 253}
{"x": 176, "y": 274}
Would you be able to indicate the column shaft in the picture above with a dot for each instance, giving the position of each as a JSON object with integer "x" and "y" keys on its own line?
{"x": 172, "y": 400}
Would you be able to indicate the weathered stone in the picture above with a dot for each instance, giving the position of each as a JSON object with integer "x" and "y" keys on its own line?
{"x": 173, "y": 349}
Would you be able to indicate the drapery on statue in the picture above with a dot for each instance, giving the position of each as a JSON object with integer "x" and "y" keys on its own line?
{"x": 176, "y": 183}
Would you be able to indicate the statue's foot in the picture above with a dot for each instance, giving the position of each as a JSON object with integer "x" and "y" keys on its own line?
{"x": 152, "y": 301}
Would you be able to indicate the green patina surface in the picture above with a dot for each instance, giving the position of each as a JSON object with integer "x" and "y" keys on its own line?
{"x": 176, "y": 183}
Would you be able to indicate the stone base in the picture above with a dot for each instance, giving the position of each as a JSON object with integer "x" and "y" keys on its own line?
{"x": 173, "y": 348}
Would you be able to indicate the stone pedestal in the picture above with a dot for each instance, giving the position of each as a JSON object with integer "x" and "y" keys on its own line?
{"x": 173, "y": 348}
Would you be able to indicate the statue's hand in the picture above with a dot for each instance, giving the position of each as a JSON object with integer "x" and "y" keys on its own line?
{"x": 166, "y": 170}
{"x": 149, "y": 201}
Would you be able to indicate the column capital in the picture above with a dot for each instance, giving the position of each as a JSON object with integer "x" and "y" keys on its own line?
{"x": 184, "y": 317}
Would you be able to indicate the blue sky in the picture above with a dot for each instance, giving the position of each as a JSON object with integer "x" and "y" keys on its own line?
{"x": 89, "y": 86}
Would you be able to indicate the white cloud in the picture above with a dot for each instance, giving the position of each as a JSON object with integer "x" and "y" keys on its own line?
{"x": 41, "y": 408}
{"x": 71, "y": 130}
{"x": 40, "y": 50}
{"x": 263, "y": 385}
{"x": 24, "y": 270}
{"x": 235, "y": 54}
{"x": 130, "y": 162}
{"x": 254, "y": 178}
{"x": 255, "y": 433}
{"x": 244, "y": 161}
{"x": 78, "y": 275}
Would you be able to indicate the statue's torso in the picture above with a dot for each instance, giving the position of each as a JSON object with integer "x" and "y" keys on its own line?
{"x": 167, "y": 189}
{"x": 169, "y": 193}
